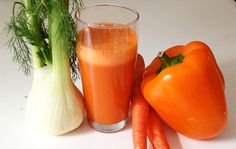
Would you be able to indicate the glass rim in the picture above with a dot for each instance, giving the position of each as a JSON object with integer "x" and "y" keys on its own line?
{"x": 94, "y": 25}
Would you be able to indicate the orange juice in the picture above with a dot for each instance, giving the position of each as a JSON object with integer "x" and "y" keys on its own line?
{"x": 107, "y": 57}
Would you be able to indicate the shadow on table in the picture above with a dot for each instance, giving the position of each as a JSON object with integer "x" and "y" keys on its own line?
{"x": 83, "y": 129}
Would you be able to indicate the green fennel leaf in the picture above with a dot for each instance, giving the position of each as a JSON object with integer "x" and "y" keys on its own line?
{"x": 29, "y": 31}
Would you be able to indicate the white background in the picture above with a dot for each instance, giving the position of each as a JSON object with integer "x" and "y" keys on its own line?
{"x": 163, "y": 23}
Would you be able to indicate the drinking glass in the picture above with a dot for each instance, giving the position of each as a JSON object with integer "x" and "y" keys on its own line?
{"x": 107, "y": 49}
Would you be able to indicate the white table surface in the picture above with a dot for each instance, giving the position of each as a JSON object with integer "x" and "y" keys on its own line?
{"x": 163, "y": 23}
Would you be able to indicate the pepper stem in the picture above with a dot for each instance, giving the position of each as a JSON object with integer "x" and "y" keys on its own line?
{"x": 168, "y": 61}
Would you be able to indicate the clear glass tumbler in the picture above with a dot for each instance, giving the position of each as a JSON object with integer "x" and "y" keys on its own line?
{"x": 107, "y": 49}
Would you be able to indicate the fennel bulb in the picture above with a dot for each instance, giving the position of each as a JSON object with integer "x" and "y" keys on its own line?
{"x": 54, "y": 104}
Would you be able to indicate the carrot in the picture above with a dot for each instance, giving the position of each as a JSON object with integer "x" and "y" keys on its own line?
{"x": 139, "y": 69}
{"x": 145, "y": 122}
{"x": 140, "y": 109}
{"x": 155, "y": 131}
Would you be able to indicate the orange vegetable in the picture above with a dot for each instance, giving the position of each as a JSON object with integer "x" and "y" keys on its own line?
{"x": 186, "y": 88}
{"x": 140, "y": 109}
{"x": 155, "y": 131}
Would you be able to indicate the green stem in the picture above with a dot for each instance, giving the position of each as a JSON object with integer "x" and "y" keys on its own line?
{"x": 169, "y": 61}
{"x": 35, "y": 27}
{"x": 37, "y": 59}
{"x": 60, "y": 57}
{"x": 14, "y": 6}
{"x": 67, "y": 4}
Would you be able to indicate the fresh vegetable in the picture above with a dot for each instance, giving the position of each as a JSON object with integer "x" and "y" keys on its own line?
{"x": 140, "y": 109}
{"x": 155, "y": 131}
{"x": 186, "y": 88}
{"x": 145, "y": 123}
{"x": 54, "y": 104}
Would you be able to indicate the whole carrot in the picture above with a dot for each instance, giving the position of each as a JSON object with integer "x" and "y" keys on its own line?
{"x": 155, "y": 131}
{"x": 140, "y": 109}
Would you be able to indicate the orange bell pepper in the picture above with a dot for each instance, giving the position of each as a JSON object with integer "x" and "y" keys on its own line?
{"x": 186, "y": 88}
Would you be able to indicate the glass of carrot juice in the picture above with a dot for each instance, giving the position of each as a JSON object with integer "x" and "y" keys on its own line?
{"x": 107, "y": 50}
